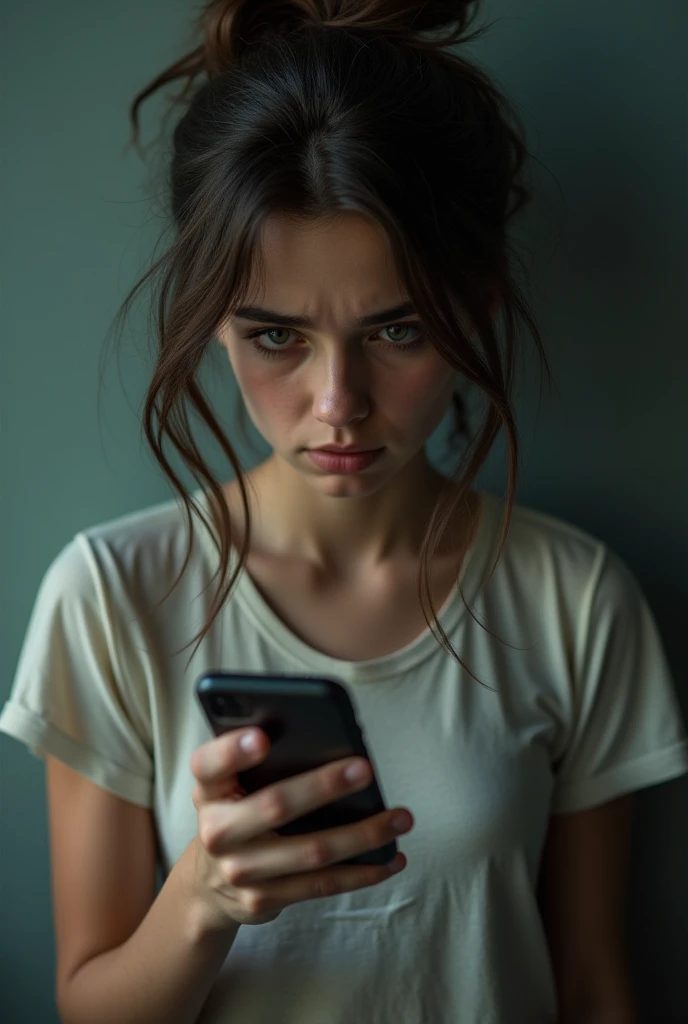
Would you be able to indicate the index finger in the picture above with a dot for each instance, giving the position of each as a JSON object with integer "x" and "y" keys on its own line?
{"x": 227, "y": 754}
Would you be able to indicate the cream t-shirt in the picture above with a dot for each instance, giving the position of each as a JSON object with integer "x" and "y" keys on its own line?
{"x": 582, "y": 711}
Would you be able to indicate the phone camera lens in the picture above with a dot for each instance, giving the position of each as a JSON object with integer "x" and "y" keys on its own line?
{"x": 226, "y": 706}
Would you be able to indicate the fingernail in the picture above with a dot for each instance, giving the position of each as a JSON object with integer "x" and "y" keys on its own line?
{"x": 401, "y": 823}
{"x": 356, "y": 772}
{"x": 249, "y": 742}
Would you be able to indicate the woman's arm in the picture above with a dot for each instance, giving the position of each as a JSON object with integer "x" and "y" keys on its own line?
{"x": 582, "y": 895}
{"x": 163, "y": 972}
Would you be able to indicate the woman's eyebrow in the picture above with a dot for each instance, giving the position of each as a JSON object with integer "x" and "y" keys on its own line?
{"x": 261, "y": 315}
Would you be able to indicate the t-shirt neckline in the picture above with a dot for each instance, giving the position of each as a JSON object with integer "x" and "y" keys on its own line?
{"x": 309, "y": 660}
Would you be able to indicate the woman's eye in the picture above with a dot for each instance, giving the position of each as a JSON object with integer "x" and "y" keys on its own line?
{"x": 276, "y": 330}
{"x": 279, "y": 348}
{"x": 403, "y": 328}
{"x": 265, "y": 350}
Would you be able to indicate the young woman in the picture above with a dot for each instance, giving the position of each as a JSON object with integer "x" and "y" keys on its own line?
{"x": 341, "y": 185}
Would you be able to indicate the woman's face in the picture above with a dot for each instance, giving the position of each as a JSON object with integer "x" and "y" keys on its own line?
{"x": 336, "y": 382}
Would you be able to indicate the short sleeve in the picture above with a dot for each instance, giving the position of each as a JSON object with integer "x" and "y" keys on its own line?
{"x": 70, "y": 697}
{"x": 626, "y": 730}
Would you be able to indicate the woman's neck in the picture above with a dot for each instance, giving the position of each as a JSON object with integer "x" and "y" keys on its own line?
{"x": 348, "y": 536}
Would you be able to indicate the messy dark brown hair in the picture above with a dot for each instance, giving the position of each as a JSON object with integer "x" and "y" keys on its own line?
{"x": 303, "y": 108}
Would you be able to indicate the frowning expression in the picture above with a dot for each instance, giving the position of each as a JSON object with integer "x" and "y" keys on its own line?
{"x": 338, "y": 356}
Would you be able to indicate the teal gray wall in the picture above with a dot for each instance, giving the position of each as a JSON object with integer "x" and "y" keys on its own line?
{"x": 603, "y": 94}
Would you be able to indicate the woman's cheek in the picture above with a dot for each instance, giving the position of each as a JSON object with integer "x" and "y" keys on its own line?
{"x": 424, "y": 394}
{"x": 268, "y": 397}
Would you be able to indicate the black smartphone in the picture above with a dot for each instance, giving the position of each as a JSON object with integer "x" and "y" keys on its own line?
{"x": 310, "y": 721}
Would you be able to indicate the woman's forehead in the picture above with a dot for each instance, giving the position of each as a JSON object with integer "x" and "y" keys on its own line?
{"x": 316, "y": 270}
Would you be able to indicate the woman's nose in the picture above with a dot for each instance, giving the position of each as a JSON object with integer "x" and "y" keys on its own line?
{"x": 341, "y": 391}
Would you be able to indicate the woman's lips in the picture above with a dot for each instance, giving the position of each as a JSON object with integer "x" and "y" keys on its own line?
{"x": 343, "y": 462}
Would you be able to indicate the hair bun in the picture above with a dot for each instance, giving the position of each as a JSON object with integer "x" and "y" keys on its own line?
{"x": 231, "y": 26}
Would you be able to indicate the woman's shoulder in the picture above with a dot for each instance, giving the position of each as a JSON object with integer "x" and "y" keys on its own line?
{"x": 148, "y": 544}
{"x": 559, "y": 577}
{"x": 533, "y": 527}
{"x": 546, "y": 552}
{"x": 149, "y": 525}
